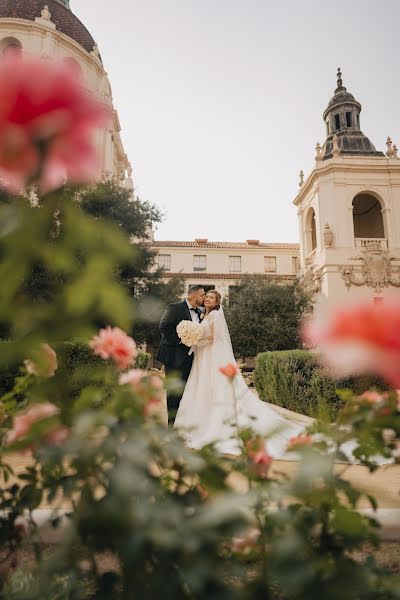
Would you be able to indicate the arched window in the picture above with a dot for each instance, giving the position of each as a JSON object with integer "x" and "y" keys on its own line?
{"x": 10, "y": 47}
{"x": 311, "y": 231}
{"x": 367, "y": 217}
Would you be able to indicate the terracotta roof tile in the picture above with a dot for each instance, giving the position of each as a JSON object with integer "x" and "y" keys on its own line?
{"x": 235, "y": 276}
{"x": 228, "y": 245}
{"x": 64, "y": 19}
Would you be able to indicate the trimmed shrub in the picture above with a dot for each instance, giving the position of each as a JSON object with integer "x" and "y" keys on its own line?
{"x": 143, "y": 360}
{"x": 295, "y": 380}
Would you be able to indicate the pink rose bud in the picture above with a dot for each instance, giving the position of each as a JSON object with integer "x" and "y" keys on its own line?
{"x": 258, "y": 456}
{"x": 23, "y": 422}
{"x": 114, "y": 343}
{"x": 230, "y": 370}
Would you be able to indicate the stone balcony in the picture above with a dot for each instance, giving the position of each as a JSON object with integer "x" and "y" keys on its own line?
{"x": 371, "y": 243}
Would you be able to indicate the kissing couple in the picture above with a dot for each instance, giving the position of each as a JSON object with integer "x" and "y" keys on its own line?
{"x": 213, "y": 406}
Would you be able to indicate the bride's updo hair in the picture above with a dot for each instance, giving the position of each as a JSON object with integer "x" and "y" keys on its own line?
{"x": 217, "y": 298}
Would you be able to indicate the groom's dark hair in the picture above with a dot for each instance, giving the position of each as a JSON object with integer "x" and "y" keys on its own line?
{"x": 195, "y": 288}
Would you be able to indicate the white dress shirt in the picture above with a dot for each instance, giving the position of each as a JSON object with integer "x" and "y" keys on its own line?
{"x": 193, "y": 314}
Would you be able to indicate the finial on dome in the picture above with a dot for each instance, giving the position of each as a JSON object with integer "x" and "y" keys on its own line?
{"x": 339, "y": 79}
{"x": 46, "y": 14}
{"x": 390, "y": 151}
{"x": 301, "y": 182}
{"x": 318, "y": 156}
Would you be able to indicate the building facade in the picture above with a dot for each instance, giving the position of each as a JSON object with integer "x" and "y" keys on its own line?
{"x": 49, "y": 29}
{"x": 220, "y": 265}
{"x": 349, "y": 212}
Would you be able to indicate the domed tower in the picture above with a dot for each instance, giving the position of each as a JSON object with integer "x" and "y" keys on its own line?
{"x": 50, "y": 30}
{"x": 342, "y": 118}
{"x": 349, "y": 211}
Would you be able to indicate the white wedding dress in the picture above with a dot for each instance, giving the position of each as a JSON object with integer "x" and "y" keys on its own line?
{"x": 213, "y": 407}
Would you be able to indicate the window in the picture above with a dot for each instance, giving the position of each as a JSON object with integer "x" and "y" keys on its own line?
{"x": 164, "y": 261}
{"x": 295, "y": 264}
{"x": 337, "y": 122}
{"x": 11, "y": 47}
{"x": 310, "y": 231}
{"x": 199, "y": 262}
{"x": 270, "y": 264}
{"x": 348, "y": 119}
{"x": 235, "y": 264}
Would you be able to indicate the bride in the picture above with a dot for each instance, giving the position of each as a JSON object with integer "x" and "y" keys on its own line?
{"x": 214, "y": 407}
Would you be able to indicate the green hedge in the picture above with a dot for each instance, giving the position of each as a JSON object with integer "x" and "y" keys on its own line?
{"x": 77, "y": 365}
{"x": 295, "y": 380}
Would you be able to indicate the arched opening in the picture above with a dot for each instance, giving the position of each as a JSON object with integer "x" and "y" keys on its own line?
{"x": 10, "y": 47}
{"x": 367, "y": 217}
{"x": 311, "y": 231}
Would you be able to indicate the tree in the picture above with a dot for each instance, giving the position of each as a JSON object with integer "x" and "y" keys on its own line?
{"x": 263, "y": 314}
{"x": 150, "y": 307}
{"x": 109, "y": 201}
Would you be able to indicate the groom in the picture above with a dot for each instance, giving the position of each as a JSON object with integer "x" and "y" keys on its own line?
{"x": 172, "y": 353}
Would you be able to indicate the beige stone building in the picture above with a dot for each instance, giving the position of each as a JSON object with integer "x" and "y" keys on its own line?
{"x": 50, "y": 30}
{"x": 220, "y": 265}
{"x": 349, "y": 221}
{"x": 349, "y": 212}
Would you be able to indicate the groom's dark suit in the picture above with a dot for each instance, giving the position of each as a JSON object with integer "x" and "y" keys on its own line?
{"x": 172, "y": 353}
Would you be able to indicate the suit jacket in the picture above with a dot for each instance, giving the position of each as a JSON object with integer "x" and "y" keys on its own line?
{"x": 172, "y": 353}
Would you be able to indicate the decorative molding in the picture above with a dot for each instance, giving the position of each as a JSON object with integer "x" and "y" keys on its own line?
{"x": 311, "y": 279}
{"x": 95, "y": 53}
{"x": 376, "y": 269}
{"x": 45, "y": 18}
{"x": 328, "y": 236}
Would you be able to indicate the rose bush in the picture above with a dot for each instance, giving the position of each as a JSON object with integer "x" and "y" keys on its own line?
{"x": 146, "y": 517}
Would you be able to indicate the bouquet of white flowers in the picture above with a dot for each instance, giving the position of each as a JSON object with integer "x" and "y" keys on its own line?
{"x": 189, "y": 332}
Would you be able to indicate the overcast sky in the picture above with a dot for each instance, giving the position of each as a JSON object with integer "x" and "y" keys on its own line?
{"x": 221, "y": 101}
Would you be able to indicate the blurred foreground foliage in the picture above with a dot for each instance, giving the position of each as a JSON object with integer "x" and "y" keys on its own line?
{"x": 175, "y": 524}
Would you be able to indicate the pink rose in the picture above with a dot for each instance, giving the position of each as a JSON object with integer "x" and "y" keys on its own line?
{"x": 259, "y": 457}
{"x": 300, "y": 440}
{"x": 360, "y": 339}
{"x": 114, "y": 343}
{"x": 44, "y": 364}
{"x": 46, "y": 125}
{"x": 246, "y": 542}
{"x": 149, "y": 387}
{"x": 132, "y": 377}
{"x": 23, "y": 422}
{"x": 230, "y": 370}
{"x": 373, "y": 397}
